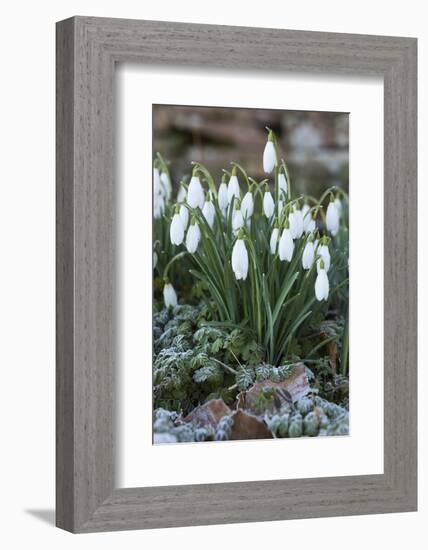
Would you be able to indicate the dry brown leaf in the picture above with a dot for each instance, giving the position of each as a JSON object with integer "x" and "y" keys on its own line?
{"x": 292, "y": 388}
{"x": 247, "y": 426}
{"x": 209, "y": 414}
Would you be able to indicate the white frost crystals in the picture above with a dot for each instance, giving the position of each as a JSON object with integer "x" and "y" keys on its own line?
{"x": 169, "y": 295}
{"x": 240, "y": 259}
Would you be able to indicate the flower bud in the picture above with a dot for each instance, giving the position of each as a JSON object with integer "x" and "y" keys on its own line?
{"x": 268, "y": 204}
{"x": 193, "y": 237}
{"x": 169, "y": 295}
{"x": 195, "y": 193}
{"x": 269, "y": 155}
{"x": 176, "y": 231}
{"x": 286, "y": 246}
{"x": 240, "y": 260}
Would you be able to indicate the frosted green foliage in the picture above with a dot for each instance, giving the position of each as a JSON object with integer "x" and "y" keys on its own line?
{"x": 310, "y": 417}
{"x": 167, "y": 428}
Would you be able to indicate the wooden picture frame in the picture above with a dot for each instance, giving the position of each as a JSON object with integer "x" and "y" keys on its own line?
{"x": 87, "y": 50}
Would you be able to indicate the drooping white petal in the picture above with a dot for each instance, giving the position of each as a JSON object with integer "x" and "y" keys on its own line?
{"x": 157, "y": 186}
{"x": 184, "y": 215}
{"x": 308, "y": 255}
{"x": 195, "y": 193}
{"x": 176, "y": 231}
{"x": 247, "y": 205}
{"x": 324, "y": 253}
{"x": 286, "y": 246}
{"x": 240, "y": 260}
{"x": 233, "y": 189}
{"x": 209, "y": 212}
{"x": 309, "y": 224}
{"x": 269, "y": 157}
{"x": 296, "y": 223}
{"x": 237, "y": 220}
{"x": 223, "y": 201}
{"x": 268, "y": 204}
{"x": 338, "y": 204}
{"x": 192, "y": 238}
{"x": 166, "y": 184}
{"x": 332, "y": 218}
{"x": 322, "y": 286}
{"x": 181, "y": 195}
{"x": 158, "y": 205}
{"x": 169, "y": 295}
{"x": 155, "y": 260}
{"x": 274, "y": 240}
{"x": 282, "y": 184}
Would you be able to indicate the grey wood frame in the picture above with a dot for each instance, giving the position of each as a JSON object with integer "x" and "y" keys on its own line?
{"x": 87, "y": 50}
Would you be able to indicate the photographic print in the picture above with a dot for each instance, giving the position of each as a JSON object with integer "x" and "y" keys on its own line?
{"x": 250, "y": 274}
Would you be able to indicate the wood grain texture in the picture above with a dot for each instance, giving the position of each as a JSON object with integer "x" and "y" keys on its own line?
{"x": 87, "y": 50}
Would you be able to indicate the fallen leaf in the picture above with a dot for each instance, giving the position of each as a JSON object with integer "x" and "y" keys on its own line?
{"x": 210, "y": 413}
{"x": 247, "y": 426}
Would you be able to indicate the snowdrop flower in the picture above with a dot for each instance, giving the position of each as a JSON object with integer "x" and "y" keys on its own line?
{"x": 308, "y": 222}
{"x": 233, "y": 189}
{"x": 322, "y": 286}
{"x": 332, "y": 218}
{"x": 286, "y": 245}
{"x": 237, "y": 220}
{"x": 338, "y": 204}
{"x": 296, "y": 223}
{"x": 269, "y": 154}
{"x": 308, "y": 255}
{"x": 240, "y": 259}
{"x": 157, "y": 185}
{"x": 169, "y": 295}
{"x": 195, "y": 193}
{"x": 324, "y": 253}
{"x": 282, "y": 184}
{"x": 247, "y": 205}
{"x": 193, "y": 237}
{"x": 184, "y": 215}
{"x": 158, "y": 205}
{"x": 209, "y": 212}
{"x": 223, "y": 201}
{"x": 268, "y": 204}
{"x": 155, "y": 259}
{"x": 166, "y": 185}
{"x": 176, "y": 231}
{"x": 182, "y": 193}
{"x": 274, "y": 239}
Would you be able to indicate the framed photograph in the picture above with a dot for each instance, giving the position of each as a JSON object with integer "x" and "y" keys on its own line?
{"x": 236, "y": 274}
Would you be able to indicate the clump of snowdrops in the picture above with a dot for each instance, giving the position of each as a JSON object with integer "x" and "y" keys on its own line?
{"x": 268, "y": 260}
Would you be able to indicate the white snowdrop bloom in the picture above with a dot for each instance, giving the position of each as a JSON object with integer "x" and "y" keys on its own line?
{"x": 166, "y": 184}
{"x": 308, "y": 255}
{"x": 157, "y": 185}
{"x": 338, "y": 204}
{"x": 247, "y": 205}
{"x": 176, "y": 231}
{"x": 332, "y": 218}
{"x": 324, "y": 254}
{"x": 268, "y": 204}
{"x": 155, "y": 260}
{"x": 309, "y": 224}
{"x": 193, "y": 237}
{"x": 296, "y": 223}
{"x": 274, "y": 240}
{"x": 209, "y": 212}
{"x": 233, "y": 189}
{"x": 282, "y": 184}
{"x": 182, "y": 193}
{"x": 240, "y": 260}
{"x": 195, "y": 193}
{"x": 322, "y": 286}
{"x": 237, "y": 220}
{"x": 223, "y": 201}
{"x": 269, "y": 157}
{"x": 169, "y": 295}
{"x": 286, "y": 246}
{"x": 184, "y": 215}
{"x": 158, "y": 205}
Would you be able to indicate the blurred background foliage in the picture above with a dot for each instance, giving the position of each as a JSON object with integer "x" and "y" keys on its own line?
{"x": 314, "y": 144}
